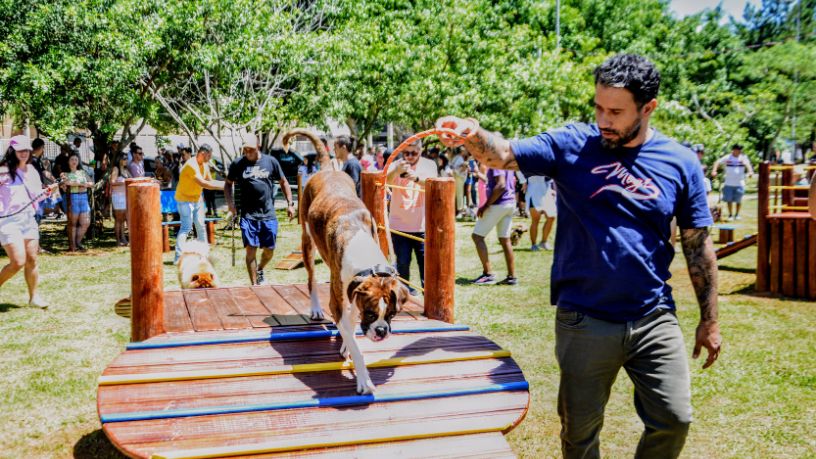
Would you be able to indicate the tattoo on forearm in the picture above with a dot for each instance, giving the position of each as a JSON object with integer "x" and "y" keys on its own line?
{"x": 492, "y": 150}
{"x": 702, "y": 266}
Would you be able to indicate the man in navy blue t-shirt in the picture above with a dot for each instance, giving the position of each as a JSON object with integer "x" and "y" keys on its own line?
{"x": 620, "y": 183}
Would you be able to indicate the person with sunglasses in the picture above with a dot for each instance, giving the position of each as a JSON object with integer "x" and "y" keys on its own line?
{"x": 407, "y": 213}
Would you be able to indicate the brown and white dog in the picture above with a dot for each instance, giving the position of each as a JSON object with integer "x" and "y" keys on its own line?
{"x": 194, "y": 267}
{"x": 337, "y": 223}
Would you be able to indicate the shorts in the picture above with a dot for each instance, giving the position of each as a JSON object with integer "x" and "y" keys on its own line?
{"x": 259, "y": 233}
{"x": 499, "y": 216}
{"x": 19, "y": 228}
{"x": 733, "y": 193}
{"x": 119, "y": 201}
{"x": 542, "y": 200}
{"x": 79, "y": 203}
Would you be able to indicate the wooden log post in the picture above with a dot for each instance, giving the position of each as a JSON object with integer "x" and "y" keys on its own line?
{"x": 146, "y": 278}
{"x": 374, "y": 199}
{"x": 440, "y": 248}
{"x": 210, "y": 232}
{"x": 763, "y": 252}
{"x": 165, "y": 238}
{"x": 812, "y": 198}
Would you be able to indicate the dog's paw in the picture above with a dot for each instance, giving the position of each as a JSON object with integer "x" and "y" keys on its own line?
{"x": 364, "y": 385}
{"x": 317, "y": 315}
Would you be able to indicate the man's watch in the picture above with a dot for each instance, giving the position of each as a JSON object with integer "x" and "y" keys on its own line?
{"x": 416, "y": 179}
{"x": 291, "y": 203}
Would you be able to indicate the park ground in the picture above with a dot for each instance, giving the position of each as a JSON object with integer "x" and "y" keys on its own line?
{"x": 757, "y": 401}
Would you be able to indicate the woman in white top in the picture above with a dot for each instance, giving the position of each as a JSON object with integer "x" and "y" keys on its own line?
{"x": 118, "y": 175}
{"x": 540, "y": 199}
{"x": 20, "y": 190}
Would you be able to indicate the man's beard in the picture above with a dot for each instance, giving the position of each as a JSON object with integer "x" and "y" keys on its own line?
{"x": 623, "y": 137}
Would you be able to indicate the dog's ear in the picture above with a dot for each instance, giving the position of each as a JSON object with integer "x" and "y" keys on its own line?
{"x": 399, "y": 295}
{"x": 353, "y": 287}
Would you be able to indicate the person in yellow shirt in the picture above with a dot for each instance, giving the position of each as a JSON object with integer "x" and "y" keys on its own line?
{"x": 194, "y": 176}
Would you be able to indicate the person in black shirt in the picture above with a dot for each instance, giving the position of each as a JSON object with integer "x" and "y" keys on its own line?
{"x": 255, "y": 174}
{"x": 351, "y": 165}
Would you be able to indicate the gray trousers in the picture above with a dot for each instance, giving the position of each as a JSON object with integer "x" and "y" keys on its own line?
{"x": 651, "y": 350}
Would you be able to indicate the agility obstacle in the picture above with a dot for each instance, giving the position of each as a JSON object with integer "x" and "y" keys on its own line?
{"x": 786, "y": 241}
{"x": 243, "y": 371}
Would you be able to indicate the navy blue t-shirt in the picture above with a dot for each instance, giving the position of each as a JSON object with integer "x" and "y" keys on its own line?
{"x": 612, "y": 249}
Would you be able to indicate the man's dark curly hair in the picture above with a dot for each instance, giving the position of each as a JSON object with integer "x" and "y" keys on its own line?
{"x": 632, "y": 72}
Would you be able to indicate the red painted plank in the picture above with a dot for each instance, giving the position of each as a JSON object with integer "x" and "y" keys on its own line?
{"x": 812, "y": 258}
{"x": 279, "y": 307}
{"x": 202, "y": 311}
{"x": 788, "y": 258}
{"x": 480, "y": 446}
{"x": 255, "y": 311}
{"x": 801, "y": 254}
{"x": 298, "y": 301}
{"x": 232, "y": 318}
{"x": 288, "y": 388}
{"x": 176, "y": 316}
{"x": 386, "y": 420}
{"x": 776, "y": 259}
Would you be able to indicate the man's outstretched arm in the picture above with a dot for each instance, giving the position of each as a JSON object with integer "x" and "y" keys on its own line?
{"x": 702, "y": 266}
{"x": 489, "y": 148}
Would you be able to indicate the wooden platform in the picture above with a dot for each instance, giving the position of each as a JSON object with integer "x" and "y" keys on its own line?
{"x": 276, "y": 412}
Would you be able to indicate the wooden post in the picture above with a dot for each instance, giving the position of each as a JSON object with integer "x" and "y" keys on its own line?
{"x": 146, "y": 278}
{"x": 440, "y": 248}
{"x": 787, "y": 180}
{"x": 165, "y": 238}
{"x": 128, "y": 182}
{"x": 374, "y": 199}
{"x": 210, "y": 232}
{"x": 763, "y": 254}
{"x": 812, "y": 197}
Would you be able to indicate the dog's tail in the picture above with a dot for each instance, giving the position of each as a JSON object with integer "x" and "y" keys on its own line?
{"x": 323, "y": 159}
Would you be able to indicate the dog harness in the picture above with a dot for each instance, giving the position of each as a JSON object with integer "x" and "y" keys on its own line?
{"x": 378, "y": 270}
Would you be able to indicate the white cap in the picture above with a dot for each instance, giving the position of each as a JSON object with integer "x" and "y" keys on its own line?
{"x": 20, "y": 142}
{"x": 249, "y": 140}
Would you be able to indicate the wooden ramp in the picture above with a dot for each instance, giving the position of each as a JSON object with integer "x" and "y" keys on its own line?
{"x": 243, "y": 373}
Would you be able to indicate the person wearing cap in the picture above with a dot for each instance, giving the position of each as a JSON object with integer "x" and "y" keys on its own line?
{"x": 256, "y": 173}
{"x": 737, "y": 165}
{"x": 194, "y": 176}
{"x": 407, "y": 211}
{"x": 20, "y": 189}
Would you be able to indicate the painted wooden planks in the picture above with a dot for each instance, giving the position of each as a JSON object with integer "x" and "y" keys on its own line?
{"x": 202, "y": 311}
{"x": 776, "y": 259}
{"x": 176, "y": 315}
{"x": 477, "y": 446}
{"x": 812, "y": 257}
{"x": 230, "y": 314}
{"x": 286, "y": 388}
{"x": 281, "y": 308}
{"x": 422, "y": 417}
{"x": 788, "y": 258}
{"x": 291, "y": 352}
{"x": 801, "y": 254}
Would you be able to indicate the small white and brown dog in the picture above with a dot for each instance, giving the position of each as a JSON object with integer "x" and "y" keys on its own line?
{"x": 195, "y": 270}
{"x": 337, "y": 223}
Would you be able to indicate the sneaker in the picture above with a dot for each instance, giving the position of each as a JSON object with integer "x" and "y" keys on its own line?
{"x": 485, "y": 279}
{"x": 509, "y": 280}
{"x": 38, "y": 302}
{"x": 737, "y": 217}
{"x": 259, "y": 277}
{"x": 547, "y": 246}
{"x": 535, "y": 248}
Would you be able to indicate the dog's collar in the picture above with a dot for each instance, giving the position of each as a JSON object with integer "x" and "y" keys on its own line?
{"x": 379, "y": 270}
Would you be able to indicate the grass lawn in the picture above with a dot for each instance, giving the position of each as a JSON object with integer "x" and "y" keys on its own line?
{"x": 759, "y": 399}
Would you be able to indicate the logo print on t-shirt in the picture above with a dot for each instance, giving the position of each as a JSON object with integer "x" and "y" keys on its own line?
{"x": 628, "y": 185}
{"x": 255, "y": 172}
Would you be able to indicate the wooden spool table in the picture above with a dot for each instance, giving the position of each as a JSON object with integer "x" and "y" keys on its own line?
{"x": 241, "y": 372}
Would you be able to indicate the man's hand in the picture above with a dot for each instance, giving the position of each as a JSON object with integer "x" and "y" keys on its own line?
{"x": 461, "y": 126}
{"x": 290, "y": 211}
{"x": 233, "y": 212}
{"x": 708, "y": 336}
{"x": 480, "y": 211}
{"x": 713, "y": 173}
{"x": 406, "y": 172}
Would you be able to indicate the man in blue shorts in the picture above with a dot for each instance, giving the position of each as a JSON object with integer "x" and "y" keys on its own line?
{"x": 619, "y": 182}
{"x": 255, "y": 174}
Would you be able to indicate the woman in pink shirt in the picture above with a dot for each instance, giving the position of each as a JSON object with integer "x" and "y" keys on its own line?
{"x": 20, "y": 190}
